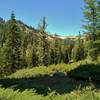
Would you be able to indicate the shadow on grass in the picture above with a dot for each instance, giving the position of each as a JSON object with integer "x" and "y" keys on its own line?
{"x": 86, "y": 71}
{"x": 44, "y": 84}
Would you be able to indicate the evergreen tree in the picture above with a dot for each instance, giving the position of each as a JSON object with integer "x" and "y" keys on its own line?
{"x": 98, "y": 21}
{"x": 52, "y": 56}
{"x": 92, "y": 18}
{"x": 2, "y": 32}
{"x": 69, "y": 44}
{"x": 78, "y": 52}
{"x": 66, "y": 57}
{"x": 44, "y": 42}
{"x": 57, "y": 50}
{"x": 13, "y": 45}
{"x": 34, "y": 57}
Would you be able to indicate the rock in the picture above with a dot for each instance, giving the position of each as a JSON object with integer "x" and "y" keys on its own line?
{"x": 59, "y": 74}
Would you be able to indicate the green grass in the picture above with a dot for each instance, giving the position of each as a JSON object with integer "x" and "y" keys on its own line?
{"x": 38, "y": 83}
{"x": 43, "y": 71}
{"x": 86, "y": 71}
{"x": 84, "y": 94}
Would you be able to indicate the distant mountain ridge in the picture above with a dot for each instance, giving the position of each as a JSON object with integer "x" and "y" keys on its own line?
{"x": 29, "y": 29}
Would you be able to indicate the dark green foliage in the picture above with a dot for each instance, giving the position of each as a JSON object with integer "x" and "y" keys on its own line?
{"x": 97, "y": 45}
{"x": 46, "y": 57}
{"x": 92, "y": 48}
{"x": 13, "y": 45}
{"x": 78, "y": 52}
{"x": 23, "y": 46}
{"x": 56, "y": 57}
{"x": 56, "y": 51}
{"x": 92, "y": 18}
{"x": 68, "y": 47}
{"x": 93, "y": 54}
{"x": 66, "y": 57}
{"x": 52, "y": 56}
{"x": 45, "y": 45}
{"x": 86, "y": 71}
{"x": 2, "y": 31}
{"x": 34, "y": 58}
{"x": 2, "y": 56}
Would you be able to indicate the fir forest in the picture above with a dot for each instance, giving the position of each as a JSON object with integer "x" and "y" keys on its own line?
{"x": 38, "y": 65}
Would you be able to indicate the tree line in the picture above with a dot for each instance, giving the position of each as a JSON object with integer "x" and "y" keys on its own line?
{"x": 23, "y": 46}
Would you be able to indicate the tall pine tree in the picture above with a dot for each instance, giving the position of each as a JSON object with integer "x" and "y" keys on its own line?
{"x": 13, "y": 45}
{"x": 44, "y": 41}
{"x": 92, "y": 19}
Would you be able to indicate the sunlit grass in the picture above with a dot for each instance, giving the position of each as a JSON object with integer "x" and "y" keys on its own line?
{"x": 42, "y": 70}
{"x": 85, "y": 94}
{"x": 33, "y": 80}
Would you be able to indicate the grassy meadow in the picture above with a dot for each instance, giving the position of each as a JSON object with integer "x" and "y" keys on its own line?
{"x": 39, "y": 83}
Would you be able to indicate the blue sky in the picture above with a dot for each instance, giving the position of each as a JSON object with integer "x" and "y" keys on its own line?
{"x": 63, "y": 16}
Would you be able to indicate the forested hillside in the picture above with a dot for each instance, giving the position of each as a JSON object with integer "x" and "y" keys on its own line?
{"x": 36, "y": 64}
{"x": 36, "y": 46}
